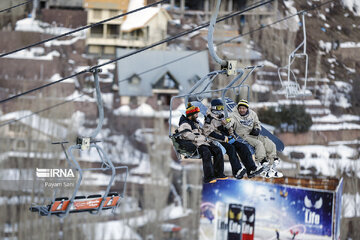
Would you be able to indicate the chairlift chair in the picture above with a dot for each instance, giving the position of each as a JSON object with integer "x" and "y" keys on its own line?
{"x": 199, "y": 91}
{"x": 292, "y": 86}
{"x": 62, "y": 206}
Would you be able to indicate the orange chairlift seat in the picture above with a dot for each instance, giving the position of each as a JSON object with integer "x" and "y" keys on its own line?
{"x": 62, "y": 206}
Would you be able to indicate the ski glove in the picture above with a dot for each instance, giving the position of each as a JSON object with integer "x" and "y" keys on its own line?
{"x": 255, "y": 132}
{"x": 231, "y": 140}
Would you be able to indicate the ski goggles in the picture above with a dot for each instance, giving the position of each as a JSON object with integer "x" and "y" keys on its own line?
{"x": 219, "y": 107}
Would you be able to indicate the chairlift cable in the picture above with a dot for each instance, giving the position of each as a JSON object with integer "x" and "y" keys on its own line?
{"x": 15, "y": 6}
{"x": 138, "y": 51}
{"x": 173, "y": 61}
{"x": 255, "y": 5}
{"x": 82, "y": 28}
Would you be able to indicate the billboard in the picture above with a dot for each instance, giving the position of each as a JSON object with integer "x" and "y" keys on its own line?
{"x": 265, "y": 211}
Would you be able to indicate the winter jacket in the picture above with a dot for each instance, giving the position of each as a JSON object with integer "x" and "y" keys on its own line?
{"x": 215, "y": 129}
{"x": 192, "y": 132}
{"x": 243, "y": 125}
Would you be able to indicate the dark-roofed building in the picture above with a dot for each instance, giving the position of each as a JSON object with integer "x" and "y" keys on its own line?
{"x": 144, "y": 77}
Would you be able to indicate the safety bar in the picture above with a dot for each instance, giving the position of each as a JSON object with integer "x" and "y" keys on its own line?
{"x": 211, "y": 76}
{"x": 223, "y": 90}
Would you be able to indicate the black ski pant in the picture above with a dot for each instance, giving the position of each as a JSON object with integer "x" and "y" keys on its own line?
{"x": 245, "y": 155}
{"x": 211, "y": 171}
{"x": 233, "y": 158}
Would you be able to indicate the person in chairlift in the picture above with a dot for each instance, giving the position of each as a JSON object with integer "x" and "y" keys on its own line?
{"x": 216, "y": 127}
{"x": 246, "y": 124}
{"x": 190, "y": 128}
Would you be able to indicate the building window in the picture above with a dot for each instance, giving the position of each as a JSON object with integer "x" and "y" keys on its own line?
{"x": 95, "y": 49}
{"x": 134, "y": 35}
{"x": 41, "y": 145}
{"x": 112, "y": 31}
{"x": 109, "y": 50}
{"x": 97, "y": 31}
{"x": 164, "y": 99}
{"x": 20, "y": 144}
{"x": 166, "y": 82}
{"x": 135, "y": 80}
{"x": 97, "y": 13}
{"x": 113, "y": 13}
{"x": 133, "y": 100}
{"x": 14, "y": 128}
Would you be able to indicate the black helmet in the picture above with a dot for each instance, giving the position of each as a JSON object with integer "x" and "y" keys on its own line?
{"x": 216, "y": 104}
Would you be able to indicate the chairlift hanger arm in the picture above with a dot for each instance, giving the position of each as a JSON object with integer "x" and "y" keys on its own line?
{"x": 212, "y": 52}
{"x": 100, "y": 105}
{"x": 292, "y": 86}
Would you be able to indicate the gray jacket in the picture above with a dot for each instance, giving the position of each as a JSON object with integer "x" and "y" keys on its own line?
{"x": 192, "y": 132}
{"x": 243, "y": 125}
{"x": 215, "y": 129}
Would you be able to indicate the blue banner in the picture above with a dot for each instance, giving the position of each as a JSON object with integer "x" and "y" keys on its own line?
{"x": 279, "y": 210}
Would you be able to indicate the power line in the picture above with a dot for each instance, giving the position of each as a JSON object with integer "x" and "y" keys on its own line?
{"x": 173, "y": 61}
{"x": 140, "y": 50}
{"x": 82, "y": 28}
{"x": 18, "y": 5}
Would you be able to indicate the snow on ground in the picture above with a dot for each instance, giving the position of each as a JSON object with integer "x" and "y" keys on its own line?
{"x": 143, "y": 168}
{"x": 343, "y": 86}
{"x": 29, "y": 155}
{"x": 334, "y": 119}
{"x": 41, "y": 124}
{"x": 77, "y": 97}
{"x": 123, "y": 151}
{"x": 350, "y": 202}
{"x": 325, "y": 80}
{"x": 28, "y": 25}
{"x": 327, "y": 46}
{"x": 259, "y": 88}
{"x": 292, "y": 23}
{"x": 32, "y": 25}
{"x": 267, "y": 63}
{"x": 318, "y": 156}
{"x": 100, "y": 179}
{"x": 107, "y": 99}
{"x": 16, "y": 174}
{"x": 334, "y": 127}
{"x": 145, "y": 110}
{"x": 349, "y": 45}
{"x": 353, "y": 6}
{"x": 62, "y": 42}
{"x": 173, "y": 212}
{"x": 34, "y": 53}
{"x": 109, "y": 230}
{"x": 57, "y": 77}
{"x": 108, "y": 67}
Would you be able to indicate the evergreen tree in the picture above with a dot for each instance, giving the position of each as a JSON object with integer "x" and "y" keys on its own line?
{"x": 291, "y": 118}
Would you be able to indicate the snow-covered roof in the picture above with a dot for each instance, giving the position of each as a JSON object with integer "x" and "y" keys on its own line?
{"x": 41, "y": 124}
{"x": 140, "y": 18}
{"x": 183, "y": 71}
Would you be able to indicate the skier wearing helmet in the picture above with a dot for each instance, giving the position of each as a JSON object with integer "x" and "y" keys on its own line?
{"x": 190, "y": 129}
{"x": 246, "y": 124}
{"x": 217, "y": 128}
